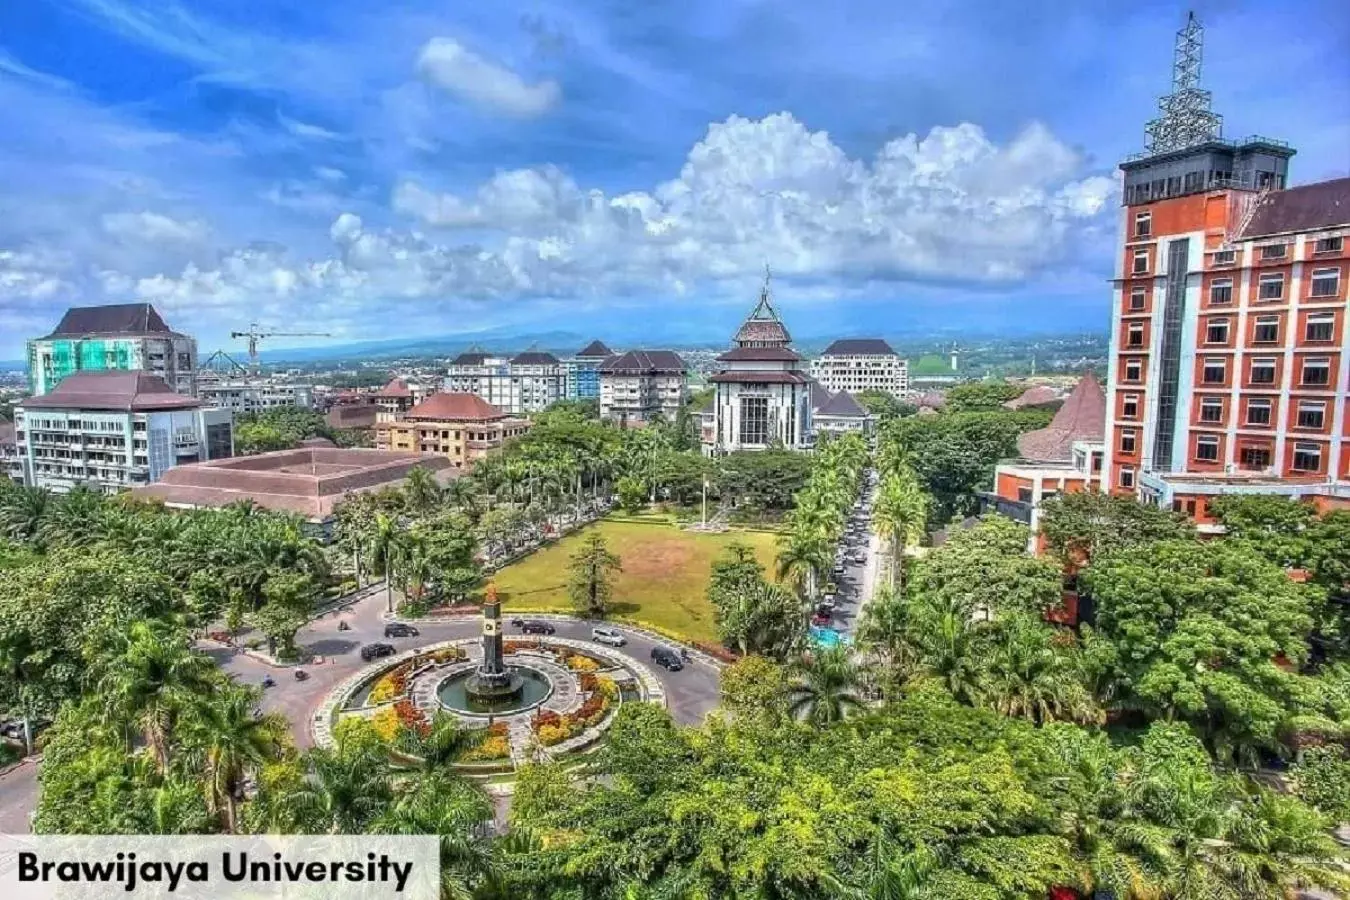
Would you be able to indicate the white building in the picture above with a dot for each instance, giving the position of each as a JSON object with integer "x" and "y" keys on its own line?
{"x": 114, "y": 430}
{"x": 837, "y": 413}
{"x": 525, "y": 383}
{"x": 639, "y": 384}
{"x": 253, "y": 395}
{"x": 762, "y": 396}
{"x": 861, "y": 364}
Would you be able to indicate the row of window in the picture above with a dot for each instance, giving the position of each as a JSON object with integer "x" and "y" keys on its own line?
{"x": 1307, "y": 457}
{"x": 1315, "y": 371}
{"x": 1319, "y": 328}
{"x": 1143, "y": 228}
{"x": 1325, "y": 284}
{"x": 1312, "y": 414}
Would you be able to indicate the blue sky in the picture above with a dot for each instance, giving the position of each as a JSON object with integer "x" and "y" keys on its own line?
{"x": 424, "y": 168}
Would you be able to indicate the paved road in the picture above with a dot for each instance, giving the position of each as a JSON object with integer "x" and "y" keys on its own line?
{"x": 690, "y": 694}
{"x": 859, "y": 578}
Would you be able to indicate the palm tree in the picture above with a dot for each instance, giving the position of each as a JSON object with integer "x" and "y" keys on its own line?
{"x": 231, "y": 739}
{"x": 347, "y": 789}
{"x": 22, "y": 513}
{"x": 801, "y": 557}
{"x": 151, "y": 680}
{"x": 825, "y": 686}
{"x": 1027, "y": 676}
{"x": 459, "y": 814}
{"x": 446, "y": 741}
{"x": 386, "y": 539}
{"x": 421, "y": 490}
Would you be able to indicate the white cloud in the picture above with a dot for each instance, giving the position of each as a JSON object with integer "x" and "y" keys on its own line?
{"x": 452, "y": 67}
{"x": 307, "y": 130}
{"x": 154, "y": 228}
{"x": 327, "y": 173}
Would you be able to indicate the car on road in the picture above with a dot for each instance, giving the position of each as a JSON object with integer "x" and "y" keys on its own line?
{"x": 376, "y": 651}
{"x": 602, "y": 634}
{"x": 400, "y": 629}
{"x": 535, "y": 626}
{"x": 667, "y": 659}
{"x": 821, "y": 617}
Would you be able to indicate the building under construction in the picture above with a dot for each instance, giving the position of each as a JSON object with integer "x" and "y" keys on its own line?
{"x": 126, "y": 337}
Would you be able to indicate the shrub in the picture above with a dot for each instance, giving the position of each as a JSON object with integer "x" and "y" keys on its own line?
{"x": 495, "y": 747}
{"x": 447, "y": 654}
{"x": 578, "y": 663}
{"x": 1322, "y": 778}
{"x": 386, "y": 724}
{"x": 552, "y": 734}
{"x": 498, "y": 729}
{"x": 411, "y": 718}
{"x": 517, "y": 646}
{"x": 588, "y": 682}
{"x": 544, "y": 719}
{"x": 608, "y": 687}
{"x": 392, "y": 685}
{"x": 717, "y": 652}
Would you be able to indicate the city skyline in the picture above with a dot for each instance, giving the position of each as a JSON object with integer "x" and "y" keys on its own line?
{"x": 421, "y": 174}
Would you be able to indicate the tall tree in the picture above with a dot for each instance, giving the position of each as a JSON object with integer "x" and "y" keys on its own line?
{"x": 591, "y": 582}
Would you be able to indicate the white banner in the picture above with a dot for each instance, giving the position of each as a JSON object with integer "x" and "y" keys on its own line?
{"x": 256, "y": 867}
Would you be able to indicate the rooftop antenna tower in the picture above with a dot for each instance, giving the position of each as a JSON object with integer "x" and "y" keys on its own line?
{"x": 1185, "y": 118}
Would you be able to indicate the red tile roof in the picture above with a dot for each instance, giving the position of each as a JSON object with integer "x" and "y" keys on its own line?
{"x": 396, "y": 388}
{"x": 455, "y": 407}
{"x": 121, "y": 391}
{"x": 1308, "y": 207}
{"x": 1081, "y": 418}
{"x": 1037, "y": 395}
{"x": 128, "y": 319}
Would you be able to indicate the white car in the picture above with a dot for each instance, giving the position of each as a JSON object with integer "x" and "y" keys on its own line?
{"x": 609, "y": 636}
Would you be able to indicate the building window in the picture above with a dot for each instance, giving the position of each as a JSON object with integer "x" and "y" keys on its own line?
{"x": 1271, "y": 287}
{"x": 1254, "y": 457}
{"x": 1325, "y": 283}
{"x": 1266, "y": 330}
{"x": 1311, "y": 414}
{"x": 1225, "y": 257}
{"x": 1263, "y": 371}
{"x": 1258, "y": 412}
{"x": 1127, "y": 440}
{"x": 1217, "y": 331}
{"x": 1320, "y": 327}
{"x": 1221, "y": 291}
{"x": 1137, "y": 301}
{"x": 1134, "y": 370}
{"x": 1127, "y": 477}
{"x": 1129, "y": 406}
{"x": 1140, "y": 262}
{"x": 1273, "y": 251}
{"x": 1024, "y": 495}
{"x": 1307, "y": 457}
{"x": 1328, "y": 245}
{"x": 1215, "y": 371}
{"x": 754, "y": 420}
{"x": 1211, "y": 409}
{"x": 1143, "y": 224}
{"x": 1316, "y": 372}
{"x": 1207, "y": 448}
{"x": 1134, "y": 335}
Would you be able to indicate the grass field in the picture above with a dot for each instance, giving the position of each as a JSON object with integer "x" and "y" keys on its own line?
{"x": 664, "y": 580}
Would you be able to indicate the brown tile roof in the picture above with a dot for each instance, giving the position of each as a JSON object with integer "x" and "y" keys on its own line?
{"x": 309, "y": 482}
{"x": 396, "y": 388}
{"x": 1081, "y": 418}
{"x": 644, "y": 362}
{"x": 761, "y": 378}
{"x": 842, "y": 406}
{"x": 859, "y": 347}
{"x": 1308, "y": 207}
{"x": 120, "y": 318}
{"x": 122, "y": 391}
{"x": 769, "y": 354}
{"x": 763, "y": 324}
{"x": 470, "y": 357}
{"x": 352, "y": 416}
{"x": 534, "y": 358}
{"x": 456, "y": 407}
{"x": 1037, "y": 395}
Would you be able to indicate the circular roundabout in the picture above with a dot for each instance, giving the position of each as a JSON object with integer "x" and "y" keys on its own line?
{"x": 536, "y": 698}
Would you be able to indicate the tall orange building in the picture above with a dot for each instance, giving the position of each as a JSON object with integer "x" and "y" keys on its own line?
{"x": 1229, "y": 356}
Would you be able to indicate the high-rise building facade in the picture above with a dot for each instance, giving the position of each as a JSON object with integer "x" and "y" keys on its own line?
{"x": 638, "y": 385}
{"x": 762, "y": 397}
{"x": 1228, "y": 360}
{"x": 114, "y": 430}
{"x": 582, "y": 371}
{"x": 127, "y": 337}
{"x": 525, "y": 383}
{"x": 861, "y": 364}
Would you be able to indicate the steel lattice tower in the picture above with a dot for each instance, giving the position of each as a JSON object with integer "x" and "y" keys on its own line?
{"x": 1186, "y": 118}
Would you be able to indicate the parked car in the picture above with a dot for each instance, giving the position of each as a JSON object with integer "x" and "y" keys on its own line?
{"x": 602, "y": 634}
{"x": 400, "y": 629}
{"x": 518, "y": 622}
{"x": 376, "y": 651}
{"x": 821, "y": 618}
{"x": 667, "y": 658}
{"x": 534, "y": 626}
{"x": 827, "y": 602}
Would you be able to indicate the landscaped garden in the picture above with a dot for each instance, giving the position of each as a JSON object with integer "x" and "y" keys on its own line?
{"x": 664, "y": 582}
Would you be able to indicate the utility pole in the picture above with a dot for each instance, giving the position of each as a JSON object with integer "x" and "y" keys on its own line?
{"x": 705, "y": 501}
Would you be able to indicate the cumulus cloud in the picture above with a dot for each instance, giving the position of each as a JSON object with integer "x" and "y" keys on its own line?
{"x": 449, "y": 65}
{"x": 154, "y": 228}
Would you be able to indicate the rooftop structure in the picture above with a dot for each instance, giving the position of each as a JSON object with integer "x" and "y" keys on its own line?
{"x": 638, "y": 385}
{"x": 122, "y": 337}
{"x": 120, "y": 391}
{"x": 1081, "y": 418}
{"x": 309, "y": 482}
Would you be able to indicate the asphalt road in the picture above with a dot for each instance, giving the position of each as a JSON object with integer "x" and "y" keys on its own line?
{"x": 690, "y": 694}
{"x": 859, "y": 578}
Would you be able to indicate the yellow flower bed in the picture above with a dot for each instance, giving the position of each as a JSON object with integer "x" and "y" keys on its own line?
{"x": 386, "y": 724}
{"x": 552, "y": 734}
{"x": 492, "y": 748}
{"x": 578, "y": 663}
{"x": 608, "y": 687}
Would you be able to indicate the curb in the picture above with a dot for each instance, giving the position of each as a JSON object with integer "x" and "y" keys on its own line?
{"x": 16, "y": 766}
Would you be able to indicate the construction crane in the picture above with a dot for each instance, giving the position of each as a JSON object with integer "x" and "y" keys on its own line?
{"x": 254, "y": 334}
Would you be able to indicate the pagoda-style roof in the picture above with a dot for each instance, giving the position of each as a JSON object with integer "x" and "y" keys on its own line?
{"x": 763, "y": 327}
{"x": 595, "y": 350}
{"x": 113, "y": 320}
{"x": 396, "y": 389}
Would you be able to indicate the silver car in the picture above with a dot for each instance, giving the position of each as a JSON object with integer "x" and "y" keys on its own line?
{"x": 602, "y": 635}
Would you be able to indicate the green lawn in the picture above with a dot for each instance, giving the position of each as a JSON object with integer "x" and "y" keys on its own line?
{"x": 664, "y": 580}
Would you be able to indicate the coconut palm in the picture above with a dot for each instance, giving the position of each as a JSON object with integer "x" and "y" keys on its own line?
{"x": 420, "y": 490}
{"x": 346, "y": 790}
{"x": 1027, "y": 676}
{"x": 825, "y": 687}
{"x": 22, "y": 512}
{"x": 385, "y": 543}
{"x": 801, "y": 558}
{"x": 459, "y": 814}
{"x": 230, "y": 739}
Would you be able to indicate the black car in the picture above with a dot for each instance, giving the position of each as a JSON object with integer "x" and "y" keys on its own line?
{"x": 534, "y": 626}
{"x": 400, "y": 629}
{"x": 375, "y": 651}
{"x": 667, "y": 658}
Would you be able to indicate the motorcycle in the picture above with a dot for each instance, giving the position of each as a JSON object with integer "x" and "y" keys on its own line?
{"x": 301, "y": 674}
{"x": 267, "y": 682}
{"x": 343, "y": 626}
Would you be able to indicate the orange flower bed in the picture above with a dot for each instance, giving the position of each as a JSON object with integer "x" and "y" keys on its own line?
{"x": 412, "y": 718}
